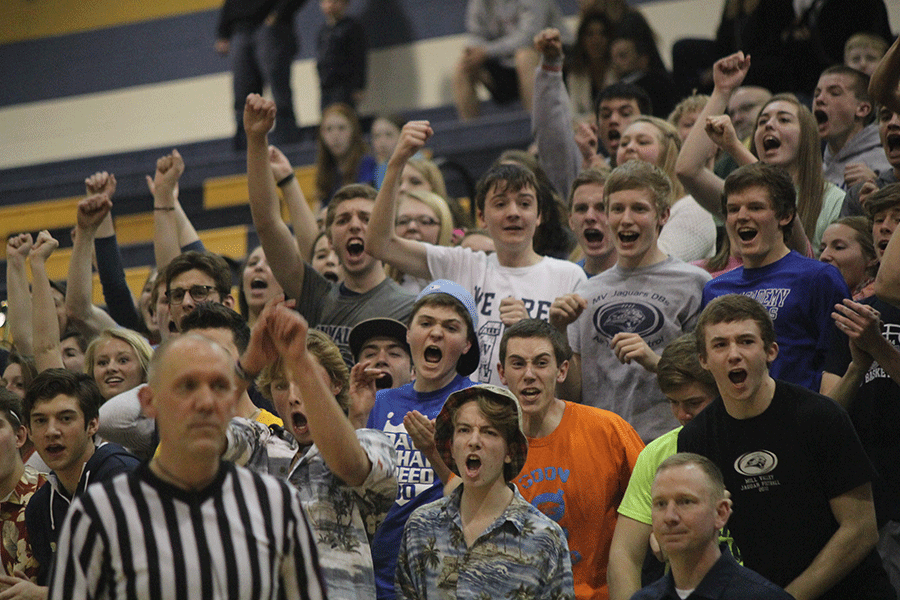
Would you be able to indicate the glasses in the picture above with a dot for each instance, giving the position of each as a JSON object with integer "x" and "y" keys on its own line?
{"x": 198, "y": 293}
{"x": 423, "y": 221}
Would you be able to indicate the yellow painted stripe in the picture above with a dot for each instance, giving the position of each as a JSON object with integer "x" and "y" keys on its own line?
{"x": 231, "y": 190}
{"x": 28, "y": 20}
{"x": 229, "y": 241}
{"x": 134, "y": 229}
{"x": 47, "y": 214}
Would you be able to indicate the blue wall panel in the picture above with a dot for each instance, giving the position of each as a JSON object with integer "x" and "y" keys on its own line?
{"x": 181, "y": 47}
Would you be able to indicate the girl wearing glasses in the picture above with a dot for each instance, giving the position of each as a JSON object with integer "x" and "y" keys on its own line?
{"x": 422, "y": 216}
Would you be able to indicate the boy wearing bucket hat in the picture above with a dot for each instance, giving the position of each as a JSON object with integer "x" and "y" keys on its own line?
{"x": 475, "y": 540}
{"x": 444, "y": 352}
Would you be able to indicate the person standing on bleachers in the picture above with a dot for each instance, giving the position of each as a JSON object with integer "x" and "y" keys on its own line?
{"x": 341, "y": 60}
{"x": 259, "y": 36}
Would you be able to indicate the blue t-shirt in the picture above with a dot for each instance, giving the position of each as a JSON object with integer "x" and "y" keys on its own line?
{"x": 418, "y": 484}
{"x": 800, "y": 294}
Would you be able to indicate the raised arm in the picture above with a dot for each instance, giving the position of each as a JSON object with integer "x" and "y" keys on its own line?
{"x": 18, "y": 294}
{"x": 382, "y": 242}
{"x": 704, "y": 185}
{"x": 172, "y": 228}
{"x": 551, "y": 119}
{"x": 46, "y": 325}
{"x": 883, "y": 86}
{"x": 330, "y": 429}
{"x": 79, "y": 305}
{"x": 119, "y": 301}
{"x": 302, "y": 218}
{"x": 279, "y": 245}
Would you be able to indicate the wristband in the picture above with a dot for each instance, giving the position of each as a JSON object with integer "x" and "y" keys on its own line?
{"x": 286, "y": 180}
{"x": 164, "y": 208}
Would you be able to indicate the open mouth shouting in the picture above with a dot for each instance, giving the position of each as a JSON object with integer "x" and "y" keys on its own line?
{"x": 433, "y": 355}
{"x": 355, "y": 248}
{"x": 473, "y": 465}
{"x": 628, "y": 237}
{"x": 747, "y": 234}
{"x": 259, "y": 283}
{"x": 821, "y": 116}
{"x": 770, "y": 142}
{"x": 893, "y": 142}
{"x": 612, "y": 139}
{"x": 299, "y": 425}
{"x": 593, "y": 236}
{"x": 529, "y": 394}
{"x": 737, "y": 376}
{"x": 384, "y": 381}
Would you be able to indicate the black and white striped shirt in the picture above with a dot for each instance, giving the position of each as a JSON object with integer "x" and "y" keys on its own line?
{"x": 135, "y": 536}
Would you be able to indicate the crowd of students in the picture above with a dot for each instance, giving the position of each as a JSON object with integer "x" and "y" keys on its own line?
{"x": 489, "y": 412}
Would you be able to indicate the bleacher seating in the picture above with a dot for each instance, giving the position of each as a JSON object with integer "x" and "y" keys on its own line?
{"x": 213, "y": 188}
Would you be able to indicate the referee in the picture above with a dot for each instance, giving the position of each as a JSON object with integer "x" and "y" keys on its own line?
{"x": 187, "y": 525}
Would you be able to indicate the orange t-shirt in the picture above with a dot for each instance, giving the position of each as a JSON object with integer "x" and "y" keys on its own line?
{"x": 577, "y": 476}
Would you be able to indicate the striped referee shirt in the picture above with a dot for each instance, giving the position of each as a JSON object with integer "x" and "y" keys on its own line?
{"x": 136, "y": 536}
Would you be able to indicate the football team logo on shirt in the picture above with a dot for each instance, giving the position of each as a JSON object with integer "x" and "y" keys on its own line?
{"x": 758, "y": 462}
{"x": 628, "y": 317}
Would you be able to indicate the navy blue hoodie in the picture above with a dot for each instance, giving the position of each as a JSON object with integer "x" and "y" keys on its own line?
{"x": 46, "y": 512}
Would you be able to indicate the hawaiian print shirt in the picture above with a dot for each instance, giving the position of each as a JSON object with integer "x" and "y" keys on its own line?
{"x": 343, "y": 519}
{"x": 523, "y": 554}
{"x": 15, "y": 553}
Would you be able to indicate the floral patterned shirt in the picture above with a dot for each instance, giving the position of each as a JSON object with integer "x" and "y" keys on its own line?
{"x": 523, "y": 554}
{"x": 343, "y": 519}
{"x": 15, "y": 553}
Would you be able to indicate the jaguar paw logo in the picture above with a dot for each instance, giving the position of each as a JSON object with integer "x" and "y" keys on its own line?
{"x": 758, "y": 462}
{"x": 628, "y": 317}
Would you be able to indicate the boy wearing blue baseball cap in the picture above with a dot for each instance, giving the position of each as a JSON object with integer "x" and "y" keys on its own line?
{"x": 445, "y": 352}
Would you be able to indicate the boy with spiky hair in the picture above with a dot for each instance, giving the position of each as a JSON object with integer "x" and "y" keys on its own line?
{"x": 619, "y": 319}
{"x": 513, "y": 283}
{"x": 473, "y": 541}
{"x": 444, "y": 351}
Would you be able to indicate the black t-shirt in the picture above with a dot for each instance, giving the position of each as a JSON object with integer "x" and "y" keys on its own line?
{"x": 875, "y": 413}
{"x": 782, "y": 467}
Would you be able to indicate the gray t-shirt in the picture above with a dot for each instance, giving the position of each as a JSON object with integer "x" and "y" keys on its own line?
{"x": 659, "y": 302}
{"x": 335, "y": 310}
